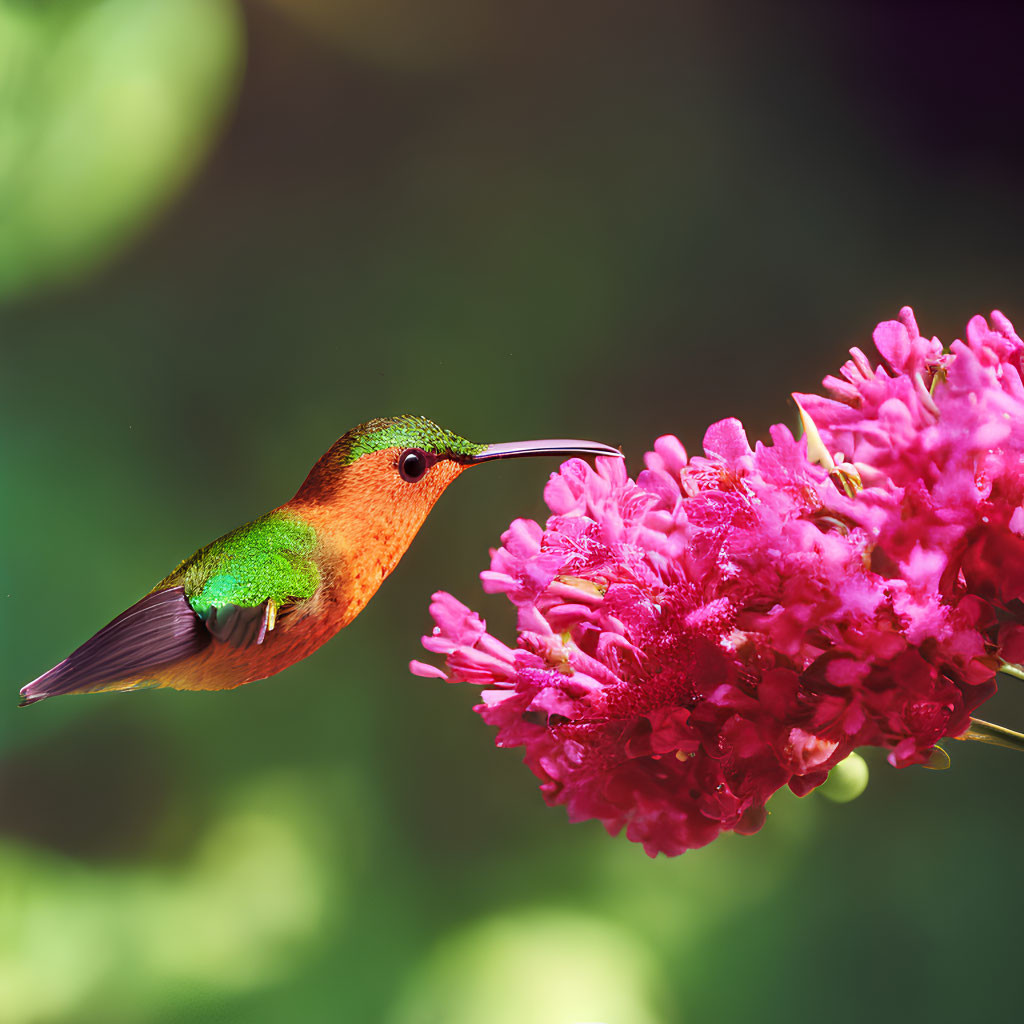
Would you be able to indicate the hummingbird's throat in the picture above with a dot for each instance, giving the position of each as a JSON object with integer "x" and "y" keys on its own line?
{"x": 368, "y": 519}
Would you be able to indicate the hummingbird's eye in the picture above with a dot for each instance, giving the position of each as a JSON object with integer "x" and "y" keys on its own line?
{"x": 412, "y": 464}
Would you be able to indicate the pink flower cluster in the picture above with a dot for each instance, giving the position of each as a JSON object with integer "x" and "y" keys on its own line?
{"x": 691, "y": 641}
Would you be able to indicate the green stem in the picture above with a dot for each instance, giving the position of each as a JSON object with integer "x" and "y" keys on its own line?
{"x": 997, "y": 735}
{"x": 1011, "y": 670}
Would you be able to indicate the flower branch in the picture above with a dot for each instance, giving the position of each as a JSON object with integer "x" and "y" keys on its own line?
{"x": 725, "y": 625}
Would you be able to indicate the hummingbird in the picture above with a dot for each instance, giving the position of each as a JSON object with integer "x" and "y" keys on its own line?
{"x": 272, "y": 591}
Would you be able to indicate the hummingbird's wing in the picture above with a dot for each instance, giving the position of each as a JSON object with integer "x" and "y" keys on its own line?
{"x": 159, "y": 629}
{"x": 239, "y": 584}
{"x": 239, "y": 625}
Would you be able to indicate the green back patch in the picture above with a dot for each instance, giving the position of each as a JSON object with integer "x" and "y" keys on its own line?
{"x": 271, "y": 557}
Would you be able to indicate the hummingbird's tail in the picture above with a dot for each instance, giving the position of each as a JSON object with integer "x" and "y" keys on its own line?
{"x": 159, "y": 629}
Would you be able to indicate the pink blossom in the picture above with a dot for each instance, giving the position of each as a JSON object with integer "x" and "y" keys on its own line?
{"x": 728, "y": 624}
{"x": 939, "y": 441}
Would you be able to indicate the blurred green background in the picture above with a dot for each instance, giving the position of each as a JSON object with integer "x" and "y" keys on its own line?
{"x": 230, "y": 231}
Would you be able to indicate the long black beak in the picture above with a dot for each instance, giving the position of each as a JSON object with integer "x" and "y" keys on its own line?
{"x": 524, "y": 449}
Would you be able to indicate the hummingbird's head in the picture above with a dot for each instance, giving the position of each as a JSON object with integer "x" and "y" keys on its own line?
{"x": 411, "y": 460}
{"x": 401, "y": 460}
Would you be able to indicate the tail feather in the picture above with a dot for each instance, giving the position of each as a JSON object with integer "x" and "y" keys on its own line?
{"x": 159, "y": 629}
